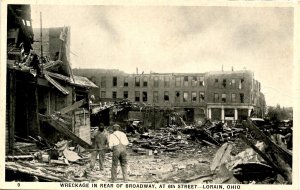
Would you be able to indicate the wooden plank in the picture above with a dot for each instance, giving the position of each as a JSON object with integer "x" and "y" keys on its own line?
{"x": 220, "y": 156}
{"x": 57, "y": 85}
{"x": 285, "y": 155}
{"x": 17, "y": 167}
{"x": 72, "y": 107}
{"x": 19, "y": 157}
{"x": 64, "y": 129}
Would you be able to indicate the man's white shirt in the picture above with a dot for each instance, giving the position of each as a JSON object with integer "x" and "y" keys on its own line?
{"x": 116, "y": 138}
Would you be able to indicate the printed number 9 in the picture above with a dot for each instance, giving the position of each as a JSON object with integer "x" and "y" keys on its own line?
{"x": 18, "y": 184}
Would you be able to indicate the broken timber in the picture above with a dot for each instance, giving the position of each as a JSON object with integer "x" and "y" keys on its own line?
{"x": 61, "y": 127}
{"x": 263, "y": 155}
{"x": 72, "y": 107}
{"x": 282, "y": 153}
{"x": 210, "y": 137}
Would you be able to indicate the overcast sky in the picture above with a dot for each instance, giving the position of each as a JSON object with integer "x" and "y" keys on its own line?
{"x": 182, "y": 39}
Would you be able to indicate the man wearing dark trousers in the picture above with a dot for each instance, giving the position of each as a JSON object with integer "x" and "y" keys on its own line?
{"x": 100, "y": 144}
{"x": 118, "y": 142}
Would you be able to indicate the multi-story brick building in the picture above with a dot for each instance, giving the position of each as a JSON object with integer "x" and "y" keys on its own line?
{"x": 233, "y": 95}
{"x": 223, "y": 95}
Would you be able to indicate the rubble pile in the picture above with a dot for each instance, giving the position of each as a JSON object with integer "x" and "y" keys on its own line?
{"x": 266, "y": 162}
{"x": 168, "y": 155}
{"x": 47, "y": 163}
{"x": 162, "y": 140}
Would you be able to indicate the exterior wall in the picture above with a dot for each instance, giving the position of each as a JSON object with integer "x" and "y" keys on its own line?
{"x": 229, "y": 88}
{"x": 151, "y": 88}
{"x": 244, "y": 83}
{"x": 82, "y": 125}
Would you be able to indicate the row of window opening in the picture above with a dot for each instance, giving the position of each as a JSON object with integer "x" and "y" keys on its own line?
{"x": 166, "y": 96}
{"x": 143, "y": 81}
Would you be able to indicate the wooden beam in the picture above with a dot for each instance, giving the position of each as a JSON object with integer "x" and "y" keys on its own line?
{"x": 281, "y": 168}
{"x": 263, "y": 155}
{"x": 285, "y": 155}
{"x": 72, "y": 107}
{"x": 59, "y": 126}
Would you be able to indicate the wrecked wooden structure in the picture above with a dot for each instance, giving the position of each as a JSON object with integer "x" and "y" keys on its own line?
{"x": 42, "y": 95}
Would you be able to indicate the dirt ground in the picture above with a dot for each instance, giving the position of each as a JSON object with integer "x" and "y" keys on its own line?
{"x": 171, "y": 167}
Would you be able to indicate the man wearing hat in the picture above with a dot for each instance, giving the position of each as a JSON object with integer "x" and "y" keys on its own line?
{"x": 118, "y": 142}
{"x": 100, "y": 144}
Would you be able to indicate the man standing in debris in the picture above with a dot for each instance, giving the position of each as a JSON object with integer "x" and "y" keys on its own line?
{"x": 100, "y": 144}
{"x": 118, "y": 142}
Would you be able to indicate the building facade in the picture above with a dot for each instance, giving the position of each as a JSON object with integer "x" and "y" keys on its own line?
{"x": 219, "y": 96}
{"x": 233, "y": 95}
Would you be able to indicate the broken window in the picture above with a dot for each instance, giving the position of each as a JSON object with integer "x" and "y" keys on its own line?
{"x": 145, "y": 82}
{"x": 223, "y": 97}
{"x": 233, "y": 98}
{"x": 194, "y": 81}
{"x": 166, "y": 96}
{"x": 103, "y": 94}
{"x": 185, "y": 96}
{"x": 167, "y": 81}
{"x": 242, "y": 98}
{"x": 125, "y": 94}
{"x": 145, "y": 97}
{"x": 155, "y": 81}
{"x": 201, "y": 81}
{"x": 125, "y": 81}
{"x": 194, "y": 96}
{"x": 137, "y": 81}
{"x": 201, "y": 96}
{"x": 232, "y": 84}
{"x": 177, "y": 81}
{"x": 224, "y": 83}
{"x": 155, "y": 96}
{"x": 114, "y": 94}
{"x": 177, "y": 96}
{"x": 185, "y": 81}
{"x": 216, "y": 97}
{"x": 114, "y": 81}
{"x": 216, "y": 82}
{"x": 241, "y": 84}
{"x": 137, "y": 96}
{"x": 103, "y": 82}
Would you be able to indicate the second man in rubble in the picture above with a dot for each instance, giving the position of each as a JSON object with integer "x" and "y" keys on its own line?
{"x": 100, "y": 144}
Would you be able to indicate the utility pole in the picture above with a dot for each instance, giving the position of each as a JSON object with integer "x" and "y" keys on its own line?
{"x": 41, "y": 34}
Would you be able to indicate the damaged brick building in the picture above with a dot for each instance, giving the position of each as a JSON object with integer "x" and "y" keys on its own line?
{"x": 219, "y": 96}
